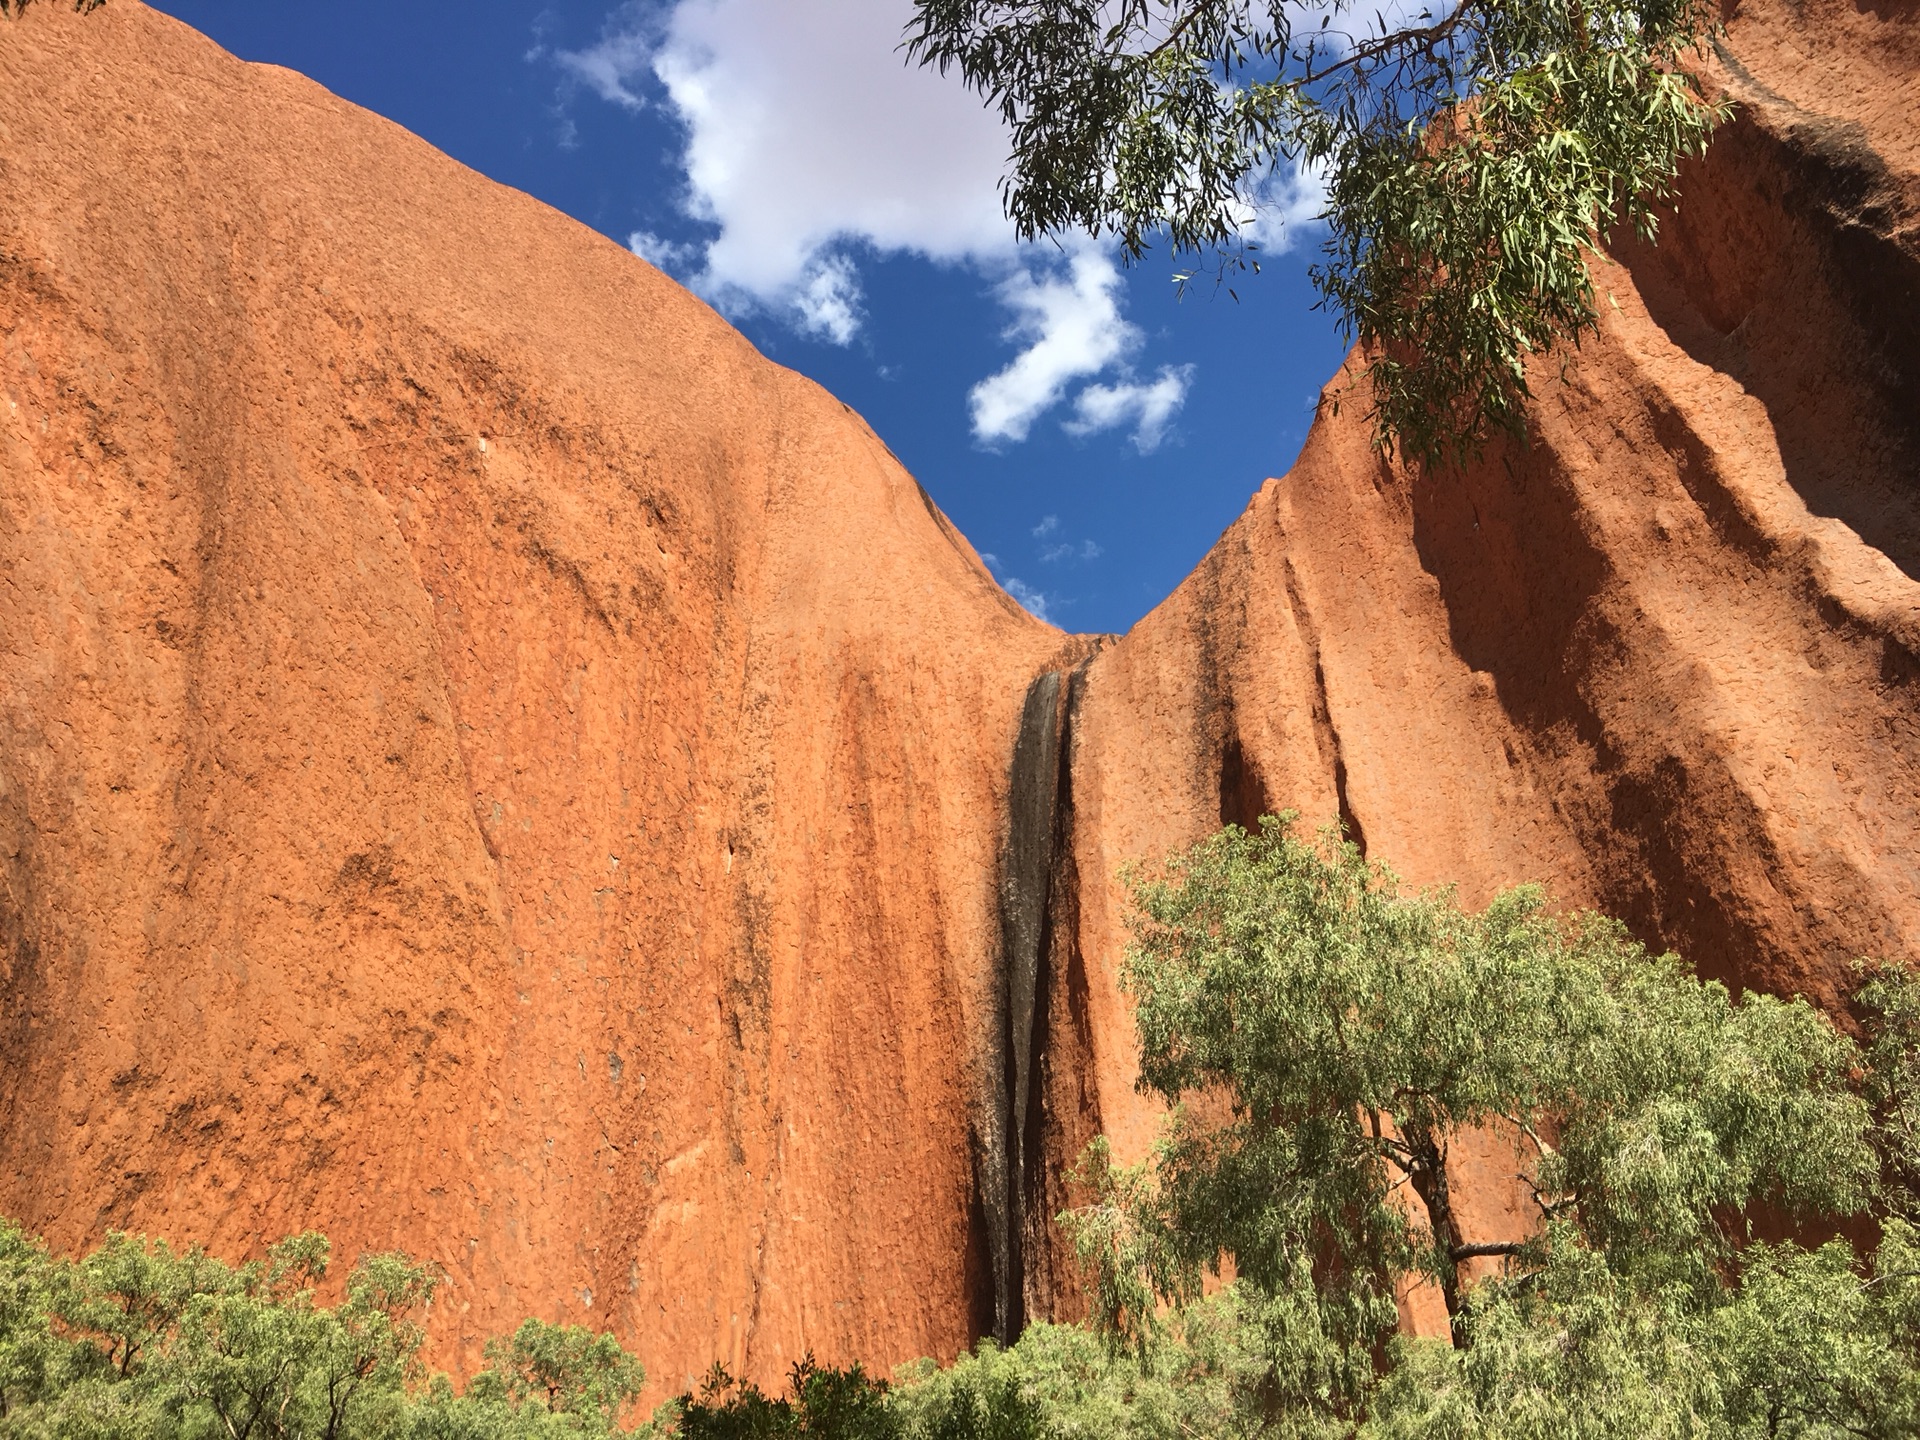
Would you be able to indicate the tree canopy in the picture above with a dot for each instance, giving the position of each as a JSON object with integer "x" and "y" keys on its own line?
{"x": 1472, "y": 153}
{"x": 138, "y": 1339}
{"x": 1324, "y": 1038}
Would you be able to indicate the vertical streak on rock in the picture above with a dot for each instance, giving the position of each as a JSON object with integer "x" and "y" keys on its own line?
{"x": 1324, "y": 728}
{"x": 1063, "y": 1108}
{"x": 1025, "y": 871}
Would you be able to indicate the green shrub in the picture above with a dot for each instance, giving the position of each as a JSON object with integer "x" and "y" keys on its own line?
{"x": 1341, "y": 1033}
{"x": 844, "y": 1404}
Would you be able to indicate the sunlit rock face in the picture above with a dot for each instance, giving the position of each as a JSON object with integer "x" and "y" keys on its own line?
{"x": 491, "y": 765}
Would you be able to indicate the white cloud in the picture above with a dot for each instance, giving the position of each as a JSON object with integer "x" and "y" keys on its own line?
{"x": 668, "y": 255}
{"x": 1033, "y": 601}
{"x": 1085, "y": 550}
{"x": 1048, "y": 524}
{"x": 807, "y": 129}
{"x": 1148, "y": 405}
{"x": 1073, "y": 329}
{"x": 1284, "y": 209}
{"x": 610, "y": 67}
{"x": 827, "y": 305}
{"x": 810, "y": 140}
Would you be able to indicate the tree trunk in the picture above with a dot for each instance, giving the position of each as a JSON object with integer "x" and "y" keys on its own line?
{"x": 1428, "y": 1173}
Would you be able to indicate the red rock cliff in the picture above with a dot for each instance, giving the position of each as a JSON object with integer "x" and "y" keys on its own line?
{"x": 491, "y": 765}
{"x": 1661, "y": 657}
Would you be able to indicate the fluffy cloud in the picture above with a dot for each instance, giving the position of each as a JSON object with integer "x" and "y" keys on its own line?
{"x": 808, "y": 138}
{"x": 1072, "y": 327}
{"x": 807, "y": 129}
{"x": 1071, "y": 324}
{"x": 827, "y": 303}
{"x": 1148, "y": 405}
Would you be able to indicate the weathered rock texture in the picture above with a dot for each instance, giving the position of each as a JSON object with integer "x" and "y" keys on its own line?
{"x": 1662, "y": 657}
{"x": 491, "y": 765}
{"x": 488, "y": 763}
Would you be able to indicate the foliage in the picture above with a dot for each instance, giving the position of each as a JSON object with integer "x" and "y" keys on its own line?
{"x": 139, "y": 1340}
{"x": 1472, "y": 153}
{"x": 1810, "y": 1343}
{"x": 1324, "y": 1038}
{"x": 566, "y": 1368}
{"x": 1890, "y": 1001}
{"x": 33, "y": 1362}
{"x": 1065, "y": 1382}
{"x": 841, "y": 1404}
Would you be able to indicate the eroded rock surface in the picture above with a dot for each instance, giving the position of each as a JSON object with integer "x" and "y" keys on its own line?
{"x": 488, "y": 763}
{"x": 491, "y": 765}
{"x": 1662, "y": 658}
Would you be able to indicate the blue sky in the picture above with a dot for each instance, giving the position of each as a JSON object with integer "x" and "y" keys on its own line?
{"x": 1089, "y": 431}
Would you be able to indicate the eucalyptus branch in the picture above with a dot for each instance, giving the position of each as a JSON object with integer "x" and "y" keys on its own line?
{"x": 1400, "y": 1154}
{"x": 1550, "y": 1209}
{"x": 1180, "y": 27}
{"x": 1892, "y": 1275}
{"x": 1427, "y": 38}
{"x": 1525, "y": 1128}
{"x": 1454, "y": 252}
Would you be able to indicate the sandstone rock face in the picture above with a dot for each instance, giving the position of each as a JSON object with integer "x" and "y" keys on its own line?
{"x": 488, "y": 763}
{"x": 491, "y": 765}
{"x": 1663, "y": 658}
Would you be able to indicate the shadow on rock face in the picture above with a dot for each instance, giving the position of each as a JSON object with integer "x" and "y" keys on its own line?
{"x": 1791, "y": 266}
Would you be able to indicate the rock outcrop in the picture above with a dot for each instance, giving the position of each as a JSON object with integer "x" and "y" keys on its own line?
{"x": 491, "y": 765}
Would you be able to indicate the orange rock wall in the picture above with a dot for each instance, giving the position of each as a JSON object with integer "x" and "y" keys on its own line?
{"x": 488, "y": 763}
{"x": 1663, "y": 657}
{"x": 491, "y": 765}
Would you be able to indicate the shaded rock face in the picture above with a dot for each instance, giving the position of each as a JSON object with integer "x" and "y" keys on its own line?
{"x": 1662, "y": 657}
{"x": 491, "y": 765}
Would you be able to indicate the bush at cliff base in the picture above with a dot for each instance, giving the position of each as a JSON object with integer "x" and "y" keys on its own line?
{"x": 1336, "y": 1036}
{"x": 138, "y": 1339}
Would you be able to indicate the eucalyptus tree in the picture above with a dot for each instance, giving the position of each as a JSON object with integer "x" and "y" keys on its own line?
{"x": 1472, "y": 155}
{"x": 1323, "y": 1038}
